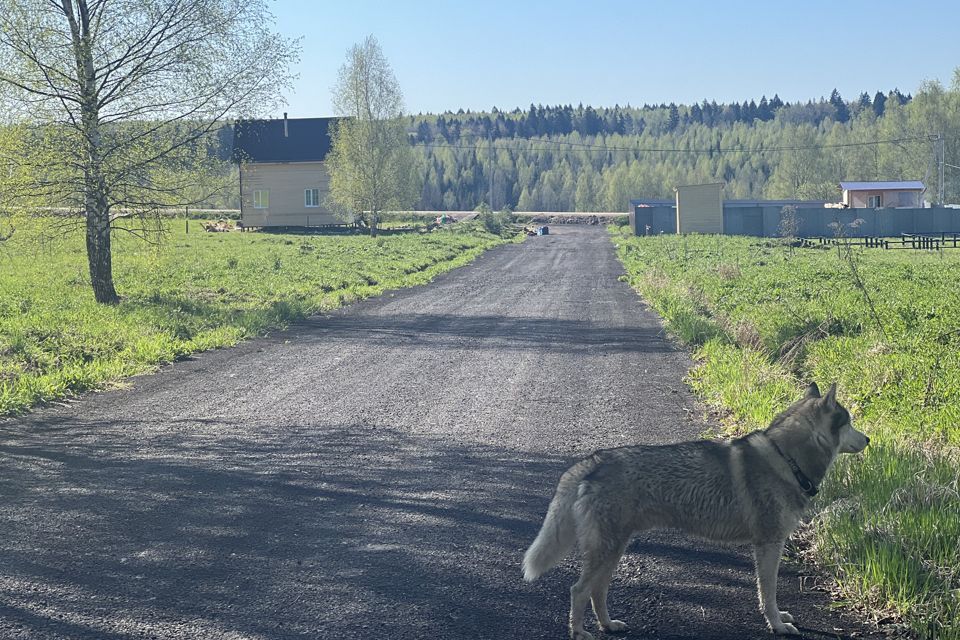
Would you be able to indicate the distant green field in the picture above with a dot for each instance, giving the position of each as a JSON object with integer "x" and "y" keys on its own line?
{"x": 191, "y": 292}
{"x": 765, "y": 318}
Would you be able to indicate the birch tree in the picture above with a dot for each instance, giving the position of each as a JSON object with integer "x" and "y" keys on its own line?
{"x": 123, "y": 93}
{"x": 371, "y": 163}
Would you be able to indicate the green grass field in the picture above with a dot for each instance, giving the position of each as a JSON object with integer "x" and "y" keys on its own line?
{"x": 764, "y": 319}
{"x": 189, "y": 293}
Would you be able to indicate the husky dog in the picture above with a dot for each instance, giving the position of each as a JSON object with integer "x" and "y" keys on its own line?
{"x": 752, "y": 489}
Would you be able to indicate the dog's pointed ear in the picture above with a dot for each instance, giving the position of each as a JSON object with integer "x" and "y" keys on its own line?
{"x": 830, "y": 400}
{"x": 813, "y": 391}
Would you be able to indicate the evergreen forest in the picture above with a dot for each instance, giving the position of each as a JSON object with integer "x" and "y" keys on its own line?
{"x": 584, "y": 158}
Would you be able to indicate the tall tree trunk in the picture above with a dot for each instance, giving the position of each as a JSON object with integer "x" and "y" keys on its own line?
{"x": 97, "y": 212}
{"x": 95, "y": 196}
{"x": 99, "y": 253}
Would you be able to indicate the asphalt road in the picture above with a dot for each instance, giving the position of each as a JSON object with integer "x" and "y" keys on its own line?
{"x": 374, "y": 473}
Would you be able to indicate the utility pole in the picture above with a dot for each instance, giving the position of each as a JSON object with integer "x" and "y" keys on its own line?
{"x": 493, "y": 168}
{"x": 939, "y": 156}
{"x": 942, "y": 141}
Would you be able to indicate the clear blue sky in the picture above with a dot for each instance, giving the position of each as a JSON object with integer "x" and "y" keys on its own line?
{"x": 474, "y": 55}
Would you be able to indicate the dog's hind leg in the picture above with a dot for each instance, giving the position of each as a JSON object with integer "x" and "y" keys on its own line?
{"x": 598, "y": 597}
{"x": 599, "y": 563}
{"x": 767, "y": 558}
{"x": 579, "y": 595}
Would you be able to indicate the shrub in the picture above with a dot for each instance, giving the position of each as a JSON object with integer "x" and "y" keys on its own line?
{"x": 497, "y": 223}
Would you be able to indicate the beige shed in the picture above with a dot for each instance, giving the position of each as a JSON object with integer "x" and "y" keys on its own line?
{"x": 700, "y": 208}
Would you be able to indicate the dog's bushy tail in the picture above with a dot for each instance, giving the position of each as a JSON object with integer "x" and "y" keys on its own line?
{"x": 559, "y": 531}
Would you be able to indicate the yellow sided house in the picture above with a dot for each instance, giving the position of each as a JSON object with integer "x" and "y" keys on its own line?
{"x": 283, "y": 179}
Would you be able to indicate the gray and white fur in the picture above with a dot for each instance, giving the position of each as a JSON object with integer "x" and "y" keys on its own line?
{"x": 752, "y": 489}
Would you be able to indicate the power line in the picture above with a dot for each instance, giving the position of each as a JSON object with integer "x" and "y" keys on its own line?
{"x": 637, "y": 149}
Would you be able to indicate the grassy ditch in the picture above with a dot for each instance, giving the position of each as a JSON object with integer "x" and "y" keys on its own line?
{"x": 764, "y": 318}
{"x": 193, "y": 291}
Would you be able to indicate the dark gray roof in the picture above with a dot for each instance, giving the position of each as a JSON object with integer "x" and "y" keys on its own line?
{"x": 307, "y": 140}
{"x": 903, "y": 185}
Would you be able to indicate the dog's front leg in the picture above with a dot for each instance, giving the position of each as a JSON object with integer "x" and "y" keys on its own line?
{"x": 767, "y": 559}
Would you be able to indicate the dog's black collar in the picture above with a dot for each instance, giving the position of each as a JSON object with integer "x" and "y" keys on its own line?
{"x": 806, "y": 483}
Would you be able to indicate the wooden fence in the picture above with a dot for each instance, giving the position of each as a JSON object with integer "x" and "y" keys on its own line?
{"x": 923, "y": 241}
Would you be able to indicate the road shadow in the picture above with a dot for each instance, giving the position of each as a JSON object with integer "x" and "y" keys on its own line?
{"x": 367, "y": 320}
{"x": 344, "y": 531}
{"x": 482, "y": 332}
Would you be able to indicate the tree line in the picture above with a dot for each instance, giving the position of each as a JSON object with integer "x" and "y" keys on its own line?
{"x": 565, "y": 158}
{"x": 539, "y": 120}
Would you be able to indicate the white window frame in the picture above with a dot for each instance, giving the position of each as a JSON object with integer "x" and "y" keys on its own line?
{"x": 877, "y": 198}
{"x": 313, "y": 201}
{"x": 261, "y": 198}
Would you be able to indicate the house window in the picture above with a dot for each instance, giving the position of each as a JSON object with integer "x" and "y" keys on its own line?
{"x": 311, "y": 197}
{"x": 261, "y": 199}
{"x": 875, "y": 202}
